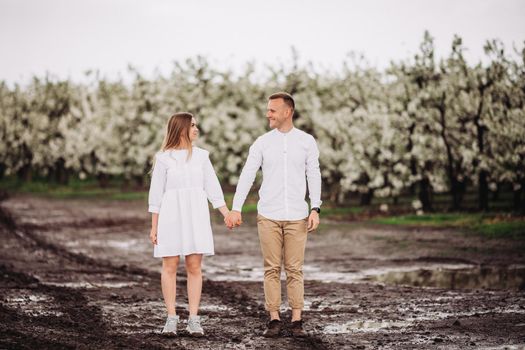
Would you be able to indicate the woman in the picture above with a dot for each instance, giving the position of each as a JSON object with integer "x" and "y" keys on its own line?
{"x": 182, "y": 179}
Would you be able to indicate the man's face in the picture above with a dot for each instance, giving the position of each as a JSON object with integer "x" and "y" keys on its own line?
{"x": 277, "y": 112}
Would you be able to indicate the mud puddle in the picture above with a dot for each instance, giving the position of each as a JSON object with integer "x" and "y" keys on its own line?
{"x": 363, "y": 326}
{"x": 248, "y": 272}
{"x": 501, "y": 278}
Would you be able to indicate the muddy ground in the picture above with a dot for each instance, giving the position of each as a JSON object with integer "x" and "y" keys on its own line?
{"x": 80, "y": 274}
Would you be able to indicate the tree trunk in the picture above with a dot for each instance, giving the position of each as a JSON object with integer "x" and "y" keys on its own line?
{"x": 462, "y": 189}
{"x": 483, "y": 191}
{"x": 495, "y": 194}
{"x": 425, "y": 194}
{"x": 139, "y": 181}
{"x": 25, "y": 173}
{"x": 366, "y": 198}
{"x": 103, "y": 180}
{"x": 61, "y": 175}
{"x": 413, "y": 161}
{"x": 454, "y": 185}
{"x": 523, "y": 196}
{"x": 516, "y": 199}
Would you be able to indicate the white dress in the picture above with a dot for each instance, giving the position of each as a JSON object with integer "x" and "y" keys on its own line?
{"x": 178, "y": 192}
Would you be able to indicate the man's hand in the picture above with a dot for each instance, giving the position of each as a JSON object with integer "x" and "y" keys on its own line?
{"x": 313, "y": 221}
{"x": 153, "y": 236}
{"x": 233, "y": 219}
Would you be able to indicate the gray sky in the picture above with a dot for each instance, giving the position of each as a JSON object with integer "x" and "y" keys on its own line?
{"x": 67, "y": 37}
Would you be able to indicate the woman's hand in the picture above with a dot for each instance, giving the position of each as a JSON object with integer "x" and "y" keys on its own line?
{"x": 153, "y": 236}
{"x": 154, "y": 225}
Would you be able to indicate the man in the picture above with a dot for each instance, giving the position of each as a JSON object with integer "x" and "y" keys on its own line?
{"x": 289, "y": 159}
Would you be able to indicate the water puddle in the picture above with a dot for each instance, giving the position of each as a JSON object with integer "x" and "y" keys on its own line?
{"x": 124, "y": 244}
{"x": 510, "y": 278}
{"x": 434, "y": 275}
{"x": 363, "y": 326}
{"x": 91, "y": 285}
{"x": 425, "y": 314}
{"x": 247, "y": 271}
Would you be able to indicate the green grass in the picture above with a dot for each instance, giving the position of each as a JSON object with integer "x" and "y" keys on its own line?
{"x": 76, "y": 189}
{"x": 489, "y": 225}
{"x": 456, "y": 219}
{"x": 511, "y": 229}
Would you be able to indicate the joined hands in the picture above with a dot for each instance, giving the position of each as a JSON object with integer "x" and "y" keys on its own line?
{"x": 233, "y": 219}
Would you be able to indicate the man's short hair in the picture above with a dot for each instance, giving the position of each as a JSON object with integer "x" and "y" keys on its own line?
{"x": 287, "y": 98}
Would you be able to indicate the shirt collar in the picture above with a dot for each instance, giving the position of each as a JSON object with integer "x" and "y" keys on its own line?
{"x": 292, "y": 130}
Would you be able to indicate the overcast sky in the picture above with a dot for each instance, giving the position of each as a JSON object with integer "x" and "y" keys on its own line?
{"x": 67, "y": 37}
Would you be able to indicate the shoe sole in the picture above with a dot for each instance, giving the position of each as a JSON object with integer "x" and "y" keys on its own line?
{"x": 169, "y": 334}
{"x": 272, "y": 335}
{"x": 300, "y": 336}
{"x": 195, "y": 334}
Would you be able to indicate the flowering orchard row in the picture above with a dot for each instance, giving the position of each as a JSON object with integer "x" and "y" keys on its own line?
{"x": 422, "y": 125}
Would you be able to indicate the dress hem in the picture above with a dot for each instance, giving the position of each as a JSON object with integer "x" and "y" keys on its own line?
{"x": 183, "y": 254}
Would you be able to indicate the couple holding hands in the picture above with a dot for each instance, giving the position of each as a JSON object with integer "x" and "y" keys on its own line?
{"x": 183, "y": 180}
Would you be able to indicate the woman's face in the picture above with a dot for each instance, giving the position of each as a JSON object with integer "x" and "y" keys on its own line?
{"x": 194, "y": 130}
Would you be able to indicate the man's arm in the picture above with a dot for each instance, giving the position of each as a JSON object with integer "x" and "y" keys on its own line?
{"x": 313, "y": 177}
{"x": 252, "y": 165}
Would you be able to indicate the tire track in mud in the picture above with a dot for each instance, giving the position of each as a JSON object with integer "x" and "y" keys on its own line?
{"x": 76, "y": 324}
{"x": 80, "y": 319}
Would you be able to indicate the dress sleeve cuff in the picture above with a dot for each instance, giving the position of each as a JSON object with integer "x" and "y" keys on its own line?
{"x": 154, "y": 209}
{"x": 218, "y": 204}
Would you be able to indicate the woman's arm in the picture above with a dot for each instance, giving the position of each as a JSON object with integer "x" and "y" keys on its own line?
{"x": 156, "y": 191}
{"x": 224, "y": 210}
{"x": 154, "y": 224}
{"x": 212, "y": 186}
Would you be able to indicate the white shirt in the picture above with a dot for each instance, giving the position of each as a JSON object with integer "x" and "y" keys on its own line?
{"x": 288, "y": 161}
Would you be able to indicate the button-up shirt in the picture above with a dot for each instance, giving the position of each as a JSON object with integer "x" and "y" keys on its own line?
{"x": 288, "y": 160}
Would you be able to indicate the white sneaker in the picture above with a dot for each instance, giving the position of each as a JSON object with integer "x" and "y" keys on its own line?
{"x": 194, "y": 327}
{"x": 170, "y": 328}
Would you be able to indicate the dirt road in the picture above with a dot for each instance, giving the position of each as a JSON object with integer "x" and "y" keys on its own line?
{"x": 80, "y": 274}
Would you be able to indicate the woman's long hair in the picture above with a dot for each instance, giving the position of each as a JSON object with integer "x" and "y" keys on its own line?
{"x": 177, "y": 133}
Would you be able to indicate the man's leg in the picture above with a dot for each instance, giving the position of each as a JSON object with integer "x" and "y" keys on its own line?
{"x": 271, "y": 239}
{"x": 295, "y": 235}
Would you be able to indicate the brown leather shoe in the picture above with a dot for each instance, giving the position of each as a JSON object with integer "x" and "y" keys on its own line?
{"x": 297, "y": 329}
{"x": 274, "y": 329}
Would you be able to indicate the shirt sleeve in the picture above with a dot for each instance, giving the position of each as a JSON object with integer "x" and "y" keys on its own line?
{"x": 252, "y": 165}
{"x": 212, "y": 185}
{"x": 313, "y": 175}
{"x": 157, "y": 186}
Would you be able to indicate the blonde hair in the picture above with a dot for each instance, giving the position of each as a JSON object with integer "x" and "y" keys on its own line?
{"x": 177, "y": 133}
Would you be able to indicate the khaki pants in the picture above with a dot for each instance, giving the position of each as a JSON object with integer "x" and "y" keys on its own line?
{"x": 282, "y": 240}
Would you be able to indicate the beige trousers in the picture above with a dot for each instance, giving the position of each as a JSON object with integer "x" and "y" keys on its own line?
{"x": 283, "y": 241}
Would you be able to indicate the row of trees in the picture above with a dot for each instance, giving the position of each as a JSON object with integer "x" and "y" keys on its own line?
{"x": 422, "y": 126}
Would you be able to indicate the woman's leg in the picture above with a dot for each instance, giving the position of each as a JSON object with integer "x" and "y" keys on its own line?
{"x": 193, "y": 268}
{"x": 169, "y": 282}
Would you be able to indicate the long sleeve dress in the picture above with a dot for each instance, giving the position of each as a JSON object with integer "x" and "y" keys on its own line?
{"x": 179, "y": 192}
